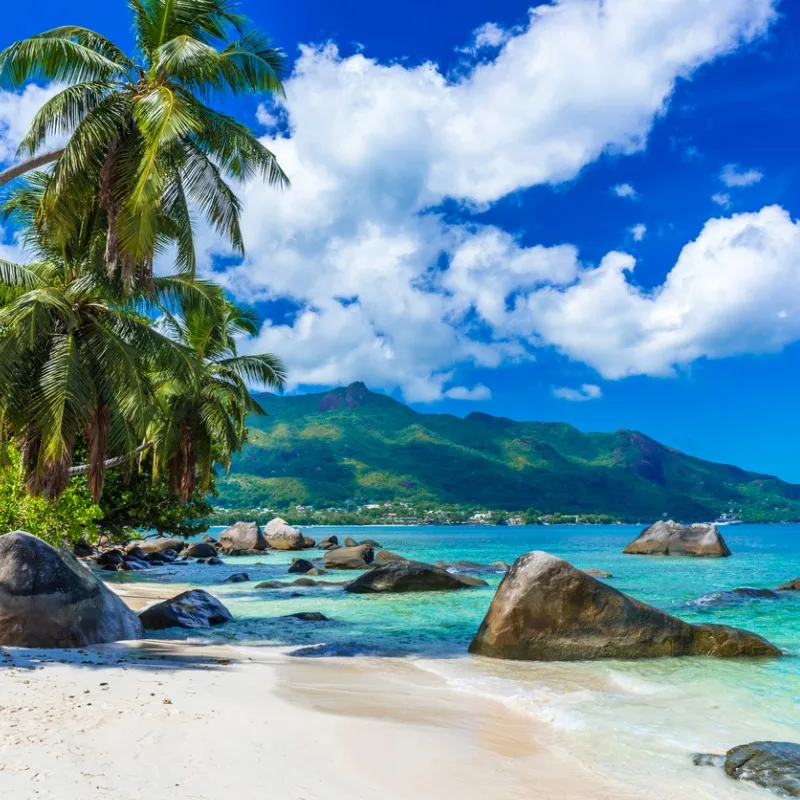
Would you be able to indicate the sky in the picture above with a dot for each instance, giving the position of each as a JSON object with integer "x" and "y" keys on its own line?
{"x": 581, "y": 211}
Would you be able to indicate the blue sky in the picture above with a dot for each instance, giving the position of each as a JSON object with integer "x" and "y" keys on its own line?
{"x": 461, "y": 171}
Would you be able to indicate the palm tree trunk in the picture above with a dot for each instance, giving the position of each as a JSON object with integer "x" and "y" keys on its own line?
{"x": 110, "y": 463}
{"x": 8, "y": 175}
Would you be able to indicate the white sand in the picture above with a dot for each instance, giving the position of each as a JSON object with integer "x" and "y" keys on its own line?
{"x": 173, "y": 720}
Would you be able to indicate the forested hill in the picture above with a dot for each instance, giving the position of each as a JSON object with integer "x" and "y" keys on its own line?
{"x": 354, "y": 444}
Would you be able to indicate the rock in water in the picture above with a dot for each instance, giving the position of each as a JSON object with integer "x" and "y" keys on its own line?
{"x": 49, "y": 599}
{"x": 598, "y": 573}
{"x": 409, "y": 576}
{"x": 300, "y": 566}
{"x": 239, "y": 577}
{"x": 148, "y": 546}
{"x": 308, "y": 542}
{"x": 671, "y": 539}
{"x": 349, "y": 557}
{"x": 282, "y": 536}
{"x": 307, "y": 616}
{"x": 243, "y": 536}
{"x": 328, "y": 542}
{"x": 200, "y": 550}
{"x": 773, "y": 765}
{"x": 388, "y": 557}
{"x": 547, "y": 610}
{"x": 350, "y": 542}
{"x": 192, "y": 609}
{"x": 792, "y": 586}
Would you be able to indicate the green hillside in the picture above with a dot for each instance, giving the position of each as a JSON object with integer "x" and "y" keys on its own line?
{"x": 353, "y": 444}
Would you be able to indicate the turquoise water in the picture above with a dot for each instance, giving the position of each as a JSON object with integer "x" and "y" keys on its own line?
{"x": 635, "y": 721}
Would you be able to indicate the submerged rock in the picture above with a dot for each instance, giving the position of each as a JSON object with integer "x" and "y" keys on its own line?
{"x": 792, "y": 586}
{"x": 50, "y": 599}
{"x": 771, "y": 765}
{"x": 359, "y": 557}
{"x": 473, "y": 567}
{"x": 598, "y": 573}
{"x": 243, "y": 536}
{"x": 735, "y": 595}
{"x": 671, "y": 539}
{"x": 308, "y": 616}
{"x": 239, "y": 577}
{"x": 409, "y": 576}
{"x": 282, "y": 536}
{"x": 547, "y": 610}
{"x": 193, "y": 609}
{"x": 200, "y": 550}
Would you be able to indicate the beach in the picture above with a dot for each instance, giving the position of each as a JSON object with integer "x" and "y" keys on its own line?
{"x": 383, "y": 701}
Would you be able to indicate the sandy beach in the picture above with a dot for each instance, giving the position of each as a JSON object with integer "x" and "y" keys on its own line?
{"x": 174, "y": 719}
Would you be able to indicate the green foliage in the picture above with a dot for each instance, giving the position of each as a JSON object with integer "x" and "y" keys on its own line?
{"x": 145, "y": 146}
{"x": 353, "y": 445}
{"x": 142, "y": 503}
{"x": 63, "y": 522}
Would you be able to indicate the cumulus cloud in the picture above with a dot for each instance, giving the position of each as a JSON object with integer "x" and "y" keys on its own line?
{"x": 624, "y": 190}
{"x": 488, "y": 36}
{"x": 384, "y": 287}
{"x": 721, "y": 199}
{"x": 477, "y": 392}
{"x": 587, "y": 391}
{"x": 638, "y": 232}
{"x": 734, "y": 176}
{"x": 388, "y": 289}
{"x": 734, "y": 290}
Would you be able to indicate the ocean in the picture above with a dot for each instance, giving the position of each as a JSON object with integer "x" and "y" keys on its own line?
{"x": 637, "y": 722}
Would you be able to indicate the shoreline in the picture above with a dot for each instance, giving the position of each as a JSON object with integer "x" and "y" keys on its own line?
{"x": 186, "y": 721}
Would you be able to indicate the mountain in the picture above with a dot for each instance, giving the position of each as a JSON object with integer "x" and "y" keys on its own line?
{"x": 351, "y": 443}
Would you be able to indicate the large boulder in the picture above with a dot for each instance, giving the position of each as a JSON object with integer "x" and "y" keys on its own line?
{"x": 200, "y": 550}
{"x": 672, "y": 539}
{"x": 359, "y": 557}
{"x": 49, "y": 599}
{"x": 243, "y": 536}
{"x": 193, "y": 609}
{"x": 148, "y": 546}
{"x": 408, "y": 576}
{"x": 282, "y": 536}
{"x": 547, "y": 610}
{"x": 309, "y": 543}
{"x": 773, "y": 765}
{"x": 792, "y": 586}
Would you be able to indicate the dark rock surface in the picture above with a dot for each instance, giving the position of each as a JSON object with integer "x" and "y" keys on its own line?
{"x": 193, "y": 609}
{"x": 308, "y": 616}
{"x": 407, "y": 576}
{"x": 771, "y": 765}
{"x": 239, "y": 577}
{"x": 200, "y": 550}
{"x": 359, "y": 557}
{"x": 50, "y": 599}
{"x": 300, "y": 566}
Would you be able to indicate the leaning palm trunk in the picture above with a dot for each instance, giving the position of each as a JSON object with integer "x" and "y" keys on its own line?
{"x": 110, "y": 463}
{"x": 8, "y": 175}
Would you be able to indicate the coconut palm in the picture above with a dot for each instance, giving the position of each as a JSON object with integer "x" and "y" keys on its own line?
{"x": 203, "y": 418}
{"x": 145, "y": 145}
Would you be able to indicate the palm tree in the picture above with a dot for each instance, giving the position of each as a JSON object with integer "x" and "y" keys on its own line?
{"x": 202, "y": 419}
{"x": 144, "y": 144}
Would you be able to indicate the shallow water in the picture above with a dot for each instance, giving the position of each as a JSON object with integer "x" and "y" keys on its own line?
{"x": 634, "y": 721}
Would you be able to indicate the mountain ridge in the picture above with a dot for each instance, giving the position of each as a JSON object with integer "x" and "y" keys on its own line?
{"x": 353, "y": 444}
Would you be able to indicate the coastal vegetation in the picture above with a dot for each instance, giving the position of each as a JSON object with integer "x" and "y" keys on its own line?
{"x": 106, "y": 362}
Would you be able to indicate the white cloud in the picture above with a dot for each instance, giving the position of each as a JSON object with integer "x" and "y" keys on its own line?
{"x": 734, "y": 290}
{"x": 477, "y": 392}
{"x": 638, "y": 232}
{"x": 488, "y": 36}
{"x": 389, "y": 290}
{"x": 733, "y": 176}
{"x": 17, "y": 110}
{"x": 624, "y": 190}
{"x": 587, "y": 391}
{"x": 372, "y": 148}
{"x": 721, "y": 199}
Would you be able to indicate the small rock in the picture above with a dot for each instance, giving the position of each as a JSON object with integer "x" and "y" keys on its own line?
{"x": 307, "y": 616}
{"x": 301, "y": 566}
{"x": 239, "y": 577}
